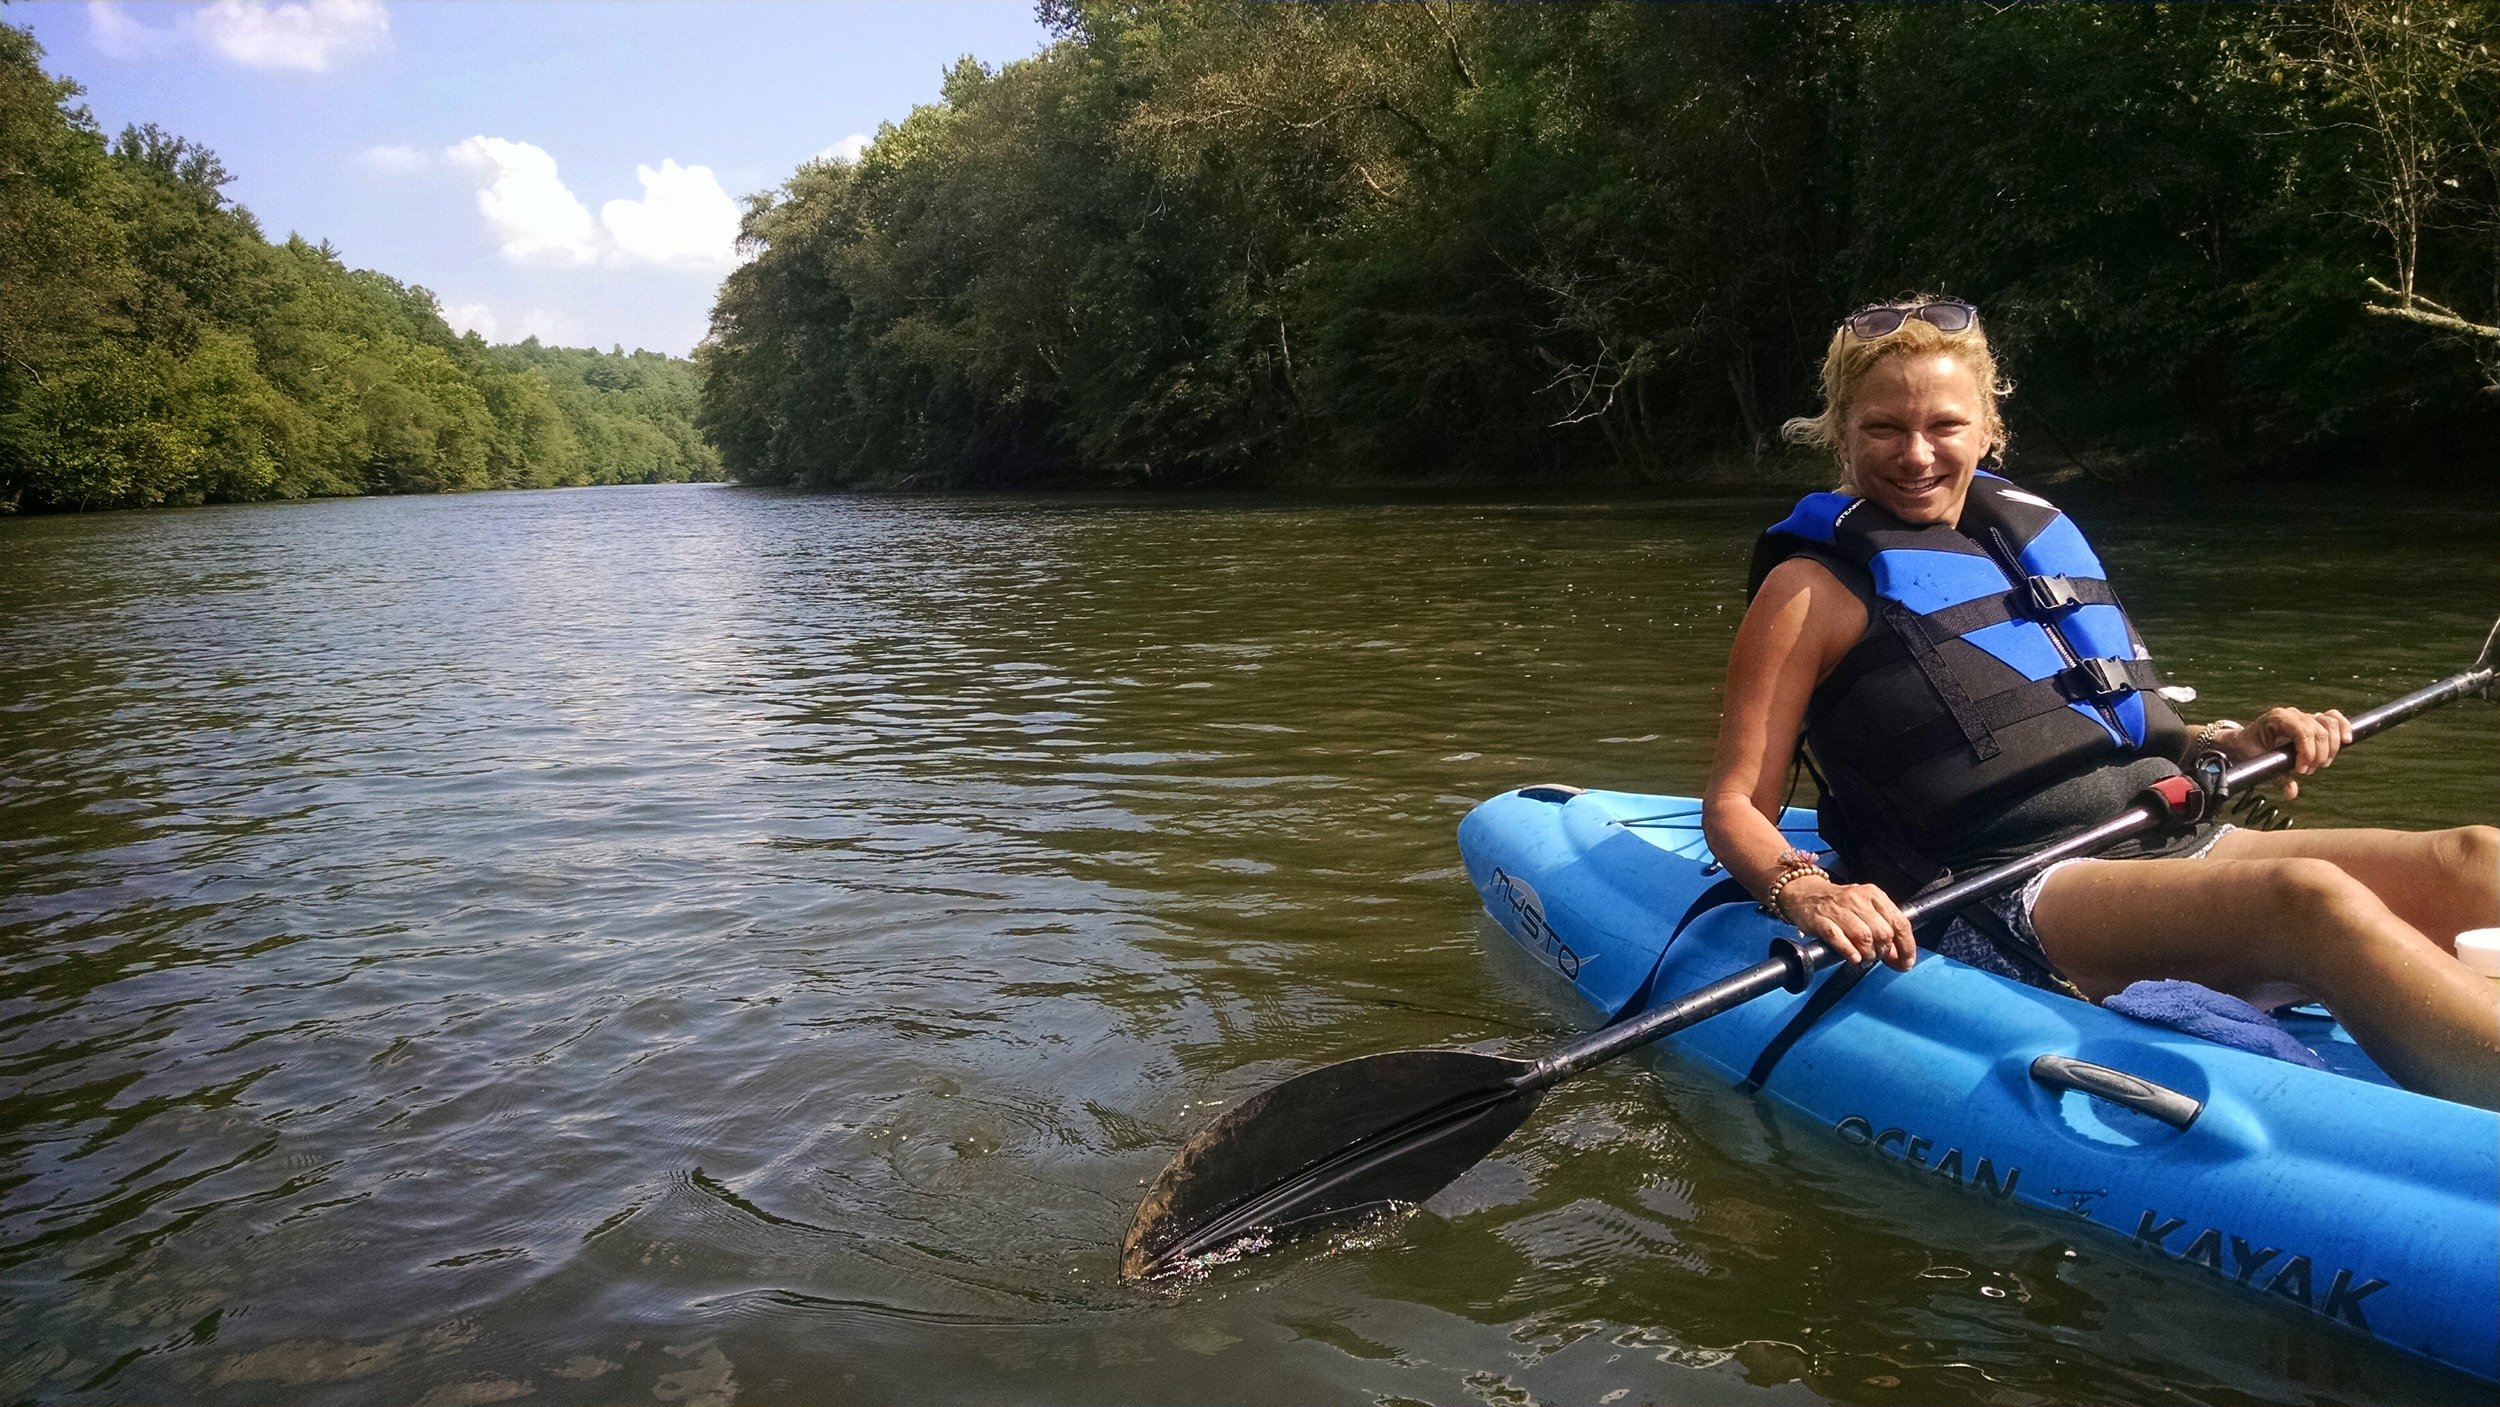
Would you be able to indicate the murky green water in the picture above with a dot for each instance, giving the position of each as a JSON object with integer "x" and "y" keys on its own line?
{"x": 698, "y": 946}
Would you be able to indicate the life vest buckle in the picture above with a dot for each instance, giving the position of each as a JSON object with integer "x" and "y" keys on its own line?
{"x": 2097, "y": 681}
{"x": 2050, "y": 594}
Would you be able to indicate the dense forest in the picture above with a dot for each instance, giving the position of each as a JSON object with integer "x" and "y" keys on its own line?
{"x": 155, "y": 348}
{"x": 1267, "y": 243}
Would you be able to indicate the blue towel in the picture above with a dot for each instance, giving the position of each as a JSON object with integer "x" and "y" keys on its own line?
{"x": 2222, "y": 1019}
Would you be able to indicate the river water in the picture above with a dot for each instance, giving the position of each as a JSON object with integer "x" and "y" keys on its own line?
{"x": 696, "y": 945}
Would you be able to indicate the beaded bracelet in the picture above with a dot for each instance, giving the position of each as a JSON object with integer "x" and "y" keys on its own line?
{"x": 2205, "y": 736}
{"x": 1771, "y": 897}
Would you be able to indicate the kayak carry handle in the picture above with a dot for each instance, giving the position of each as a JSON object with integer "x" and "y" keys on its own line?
{"x": 2064, "y": 1072}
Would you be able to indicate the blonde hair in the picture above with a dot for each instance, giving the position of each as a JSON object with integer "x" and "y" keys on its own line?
{"x": 1850, "y": 358}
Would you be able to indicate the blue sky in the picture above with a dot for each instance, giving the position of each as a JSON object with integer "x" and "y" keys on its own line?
{"x": 564, "y": 168}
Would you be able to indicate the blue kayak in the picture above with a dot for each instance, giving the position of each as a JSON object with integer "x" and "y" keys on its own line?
{"x": 2370, "y": 1207}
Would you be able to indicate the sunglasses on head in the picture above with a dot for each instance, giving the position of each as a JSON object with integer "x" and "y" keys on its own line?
{"x": 1885, "y": 319}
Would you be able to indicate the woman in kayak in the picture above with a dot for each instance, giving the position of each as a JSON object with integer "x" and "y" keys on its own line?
{"x": 1966, "y": 687}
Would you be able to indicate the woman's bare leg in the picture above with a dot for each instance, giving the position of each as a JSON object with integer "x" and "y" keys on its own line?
{"x": 2441, "y": 882}
{"x": 2269, "y": 930}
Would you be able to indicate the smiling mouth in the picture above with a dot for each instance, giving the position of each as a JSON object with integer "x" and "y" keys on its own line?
{"x": 1933, "y": 481}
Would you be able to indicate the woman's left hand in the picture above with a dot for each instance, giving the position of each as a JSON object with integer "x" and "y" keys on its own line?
{"x": 2314, "y": 739}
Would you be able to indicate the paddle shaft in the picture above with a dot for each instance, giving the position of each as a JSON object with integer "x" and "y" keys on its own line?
{"x": 1790, "y": 968}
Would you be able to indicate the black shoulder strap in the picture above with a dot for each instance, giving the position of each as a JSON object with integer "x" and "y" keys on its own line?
{"x": 1772, "y": 549}
{"x": 1769, "y": 550}
{"x": 1986, "y": 506}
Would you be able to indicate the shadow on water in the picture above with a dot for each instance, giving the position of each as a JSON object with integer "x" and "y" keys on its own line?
{"x": 721, "y": 947}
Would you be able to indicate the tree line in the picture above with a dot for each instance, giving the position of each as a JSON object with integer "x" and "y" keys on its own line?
{"x": 1214, "y": 241}
{"x": 155, "y": 348}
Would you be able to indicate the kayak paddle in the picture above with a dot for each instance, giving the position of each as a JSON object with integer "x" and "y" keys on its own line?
{"x": 1399, "y": 1127}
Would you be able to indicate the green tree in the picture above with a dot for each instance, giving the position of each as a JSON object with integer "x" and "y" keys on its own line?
{"x": 156, "y": 349}
{"x": 1216, "y": 240}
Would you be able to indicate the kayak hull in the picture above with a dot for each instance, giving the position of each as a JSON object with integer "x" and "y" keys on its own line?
{"x": 2370, "y": 1207}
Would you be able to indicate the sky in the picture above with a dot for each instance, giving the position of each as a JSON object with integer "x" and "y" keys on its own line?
{"x": 568, "y": 169}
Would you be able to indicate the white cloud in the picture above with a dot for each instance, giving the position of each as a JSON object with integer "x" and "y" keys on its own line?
{"x": 552, "y": 328}
{"x": 536, "y": 216}
{"x": 309, "y": 35}
{"x": 395, "y": 159}
{"x": 117, "y": 33}
{"x": 473, "y": 317}
{"x": 848, "y": 150}
{"x": 684, "y": 218}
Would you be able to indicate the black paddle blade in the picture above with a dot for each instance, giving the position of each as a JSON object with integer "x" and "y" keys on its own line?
{"x": 1324, "y": 1145}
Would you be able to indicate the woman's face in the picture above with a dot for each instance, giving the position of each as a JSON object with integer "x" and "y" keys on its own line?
{"x": 1915, "y": 436}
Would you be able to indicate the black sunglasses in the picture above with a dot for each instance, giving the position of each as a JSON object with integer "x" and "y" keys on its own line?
{"x": 1885, "y": 319}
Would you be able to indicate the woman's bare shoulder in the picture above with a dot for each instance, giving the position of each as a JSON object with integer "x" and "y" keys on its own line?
{"x": 1801, "y": 575}
{"x": 1811, "y": 579}
{"x": 1819, "y": 609}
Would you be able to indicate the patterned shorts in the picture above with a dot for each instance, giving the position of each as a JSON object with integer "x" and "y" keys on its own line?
{"x": 1964, "y": 943}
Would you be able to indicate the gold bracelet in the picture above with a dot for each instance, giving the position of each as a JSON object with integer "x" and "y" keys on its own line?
{"x": 2205, "y": 735}
{"x": 1771, "y": 897}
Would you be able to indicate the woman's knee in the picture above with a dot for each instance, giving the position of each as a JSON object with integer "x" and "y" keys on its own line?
{"x": 2321, "y": 910}
{"x": 2311, "y": 886}
{"x": 2469, "y": 854}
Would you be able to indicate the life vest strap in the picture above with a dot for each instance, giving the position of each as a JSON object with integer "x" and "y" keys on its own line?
{"x": 2040, "y": 598}
{"x": 2110, "y": 679}
{"x": 1978, "y": 613}
{"x": 1964, "y": 715}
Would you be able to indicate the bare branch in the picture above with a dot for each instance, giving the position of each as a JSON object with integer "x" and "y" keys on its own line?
{"x": 2418, "y": 300}
{"x": 1458, "y": 60}
{"x": 2446, "y": 321}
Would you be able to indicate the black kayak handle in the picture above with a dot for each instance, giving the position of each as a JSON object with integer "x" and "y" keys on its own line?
{"x": 2118, "y": 1087}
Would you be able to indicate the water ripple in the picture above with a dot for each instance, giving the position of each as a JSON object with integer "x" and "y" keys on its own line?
{"x": 726, "y": 946}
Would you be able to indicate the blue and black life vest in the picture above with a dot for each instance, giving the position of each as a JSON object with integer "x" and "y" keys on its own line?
{"x": 1996, "y": 663}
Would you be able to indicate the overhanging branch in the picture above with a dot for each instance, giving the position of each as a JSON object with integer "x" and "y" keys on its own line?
{"x": 2419, "y": 309}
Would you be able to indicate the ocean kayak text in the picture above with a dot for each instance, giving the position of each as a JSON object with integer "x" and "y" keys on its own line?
{"x": 1903, "y": 1146}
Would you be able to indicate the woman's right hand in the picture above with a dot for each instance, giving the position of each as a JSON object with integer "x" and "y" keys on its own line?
{"x": 1858, "y": 919}
{"x": 2314, "y": 739}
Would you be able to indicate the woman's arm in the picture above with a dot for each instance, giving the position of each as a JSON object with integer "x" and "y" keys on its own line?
{"x": 1798, "y": 627}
